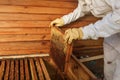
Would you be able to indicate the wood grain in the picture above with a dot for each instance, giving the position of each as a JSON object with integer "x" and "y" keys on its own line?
{"x": 22, "y": 74}
{"x": 33, "y": 10}
{"x": 2, "y": 65}
{"x": 7, "y": 70}
{"x": 17, "y": 69}
{"x": 12, "y": 67}
{"x": 33, "y": 70}
{"x": 27, "y": 70}
{"x": 40, "y": 3}
{"x": 16, "y": 38}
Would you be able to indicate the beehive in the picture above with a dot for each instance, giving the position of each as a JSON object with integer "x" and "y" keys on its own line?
{"x": 77, "y": 64}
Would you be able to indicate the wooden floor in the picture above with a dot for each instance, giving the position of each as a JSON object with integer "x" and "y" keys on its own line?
{"x": 23, "y": 69}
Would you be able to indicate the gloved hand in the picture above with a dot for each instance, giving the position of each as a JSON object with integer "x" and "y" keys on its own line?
{"x": 73, "y": 34}
{"x": 57, "y": 22}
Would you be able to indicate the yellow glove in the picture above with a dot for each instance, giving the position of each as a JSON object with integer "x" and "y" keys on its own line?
{"x": 57, "y": 22}
{"x": 73, "y": 34}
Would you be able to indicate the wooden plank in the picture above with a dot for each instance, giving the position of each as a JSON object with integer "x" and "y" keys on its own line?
{"x": 17, "y": 69}
{"x": 87, "y": 71}
{"x": 44, "y": 69}
{"x": 77, "y": 24}
{"x": 91, "y": 58}
{"x": 22, "y": 75}
{"x": 13, "y": 38}
{"x": 27, "y": 45}
{"x": 44, "y": 20}
{"x": 29, "y": 17}
{"x": 65, "y": 0}
{"x": 39, "y": 69}
{"x": 39, "y": 24}
{"x": 12, "y": 67}
{"x": 81, "y": 22}
{"x": 24, "y": 31}
{"x": 35, "y": 10}
{"x": 23, "y": 52}
{"x": 88, "y": 43}
{"x": 88, "y": 18}
{"x": 33, "y": 70}
{"x": 39, "y": 3}
{"x": 24, "y": 24}
{"x": 2, "y": 67}
{"x": 87, "y": 48}
{"x": 7, "y": 69}
{"x": 23, "y": 56}
{"x": 69, "y": 49}
{"x": 27, "y": 72}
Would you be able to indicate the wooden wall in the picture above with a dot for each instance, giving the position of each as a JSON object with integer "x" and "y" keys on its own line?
{"x": 24, "y": 24}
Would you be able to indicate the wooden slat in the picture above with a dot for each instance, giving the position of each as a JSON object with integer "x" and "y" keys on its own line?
{"x": 88, "y": 48}
{"x": 77, "y": 24}
{"x": 24, "y": 31}
{"x": 22, "y": 70}
{"x": 12, "y": 67}
{"x": 2, "y": 67}
{"x": 23, "y": 56}
{"x": 68, "y": 56}
{"x": 27, "y": 72}
{"x": 44, "y": 69}
{"x": 24, "y": 24}
{"x": 36, "y": 10}
{"x": 17, "y": 70}
{"x": 89, "y": 75}
{"x": 7, "y": 69}
{"x": 39, "y": 69}
{"x": 27, "y": 45}
{"x": 91, "y": 58}
{"x": 64, "y": 0}
{"x": 87, "y": 43}
{"x": 82, "y": 22}
{"x": 12, "y": 38}
{"x": 23, "y": 52}
{"x": 43, "y": 3}
{"x": 29, "y": 17}
{"x": 33, "y": 70}
{"x": 42, "y": 17}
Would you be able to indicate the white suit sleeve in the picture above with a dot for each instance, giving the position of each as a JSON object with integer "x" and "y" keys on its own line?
{"x": 80, "y": 11}
{"x": 106, "y": 27}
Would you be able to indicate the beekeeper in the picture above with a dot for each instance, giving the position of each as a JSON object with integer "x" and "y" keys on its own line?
{"x": 108, "y": 28}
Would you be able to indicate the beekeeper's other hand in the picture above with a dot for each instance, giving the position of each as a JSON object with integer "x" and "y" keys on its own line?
{"x": 59, "y": 22}
{"x": 73, "y": 34}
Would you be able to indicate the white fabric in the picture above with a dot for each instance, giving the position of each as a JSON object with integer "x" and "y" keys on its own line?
{"x": 108, "y": 27}
{"x": 112, "y": 54}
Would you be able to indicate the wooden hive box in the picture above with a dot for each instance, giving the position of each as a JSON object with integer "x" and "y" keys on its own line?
{"x": 77, "y": 63}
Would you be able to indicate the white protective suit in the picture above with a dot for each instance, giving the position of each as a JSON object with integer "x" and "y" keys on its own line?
{"x": 108, "y": 27}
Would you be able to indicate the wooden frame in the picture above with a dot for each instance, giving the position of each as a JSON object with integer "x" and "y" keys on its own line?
{"x": 59, "y": 51}
{"x": 71, "y": 66}
{"x": 24, "y": 69}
